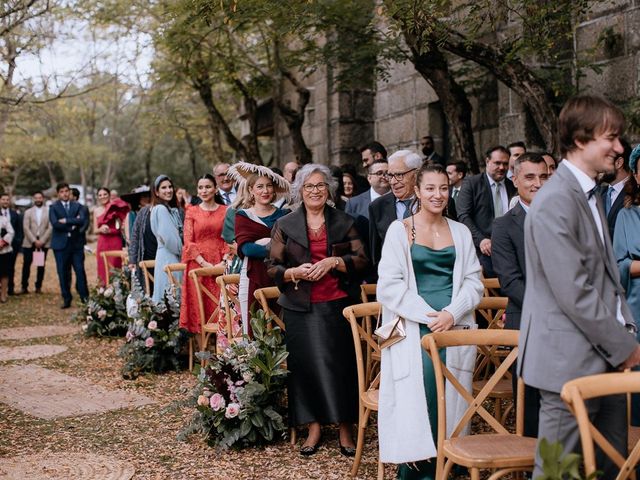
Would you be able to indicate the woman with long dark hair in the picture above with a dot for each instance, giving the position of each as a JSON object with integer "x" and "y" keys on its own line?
{"x": 203, "y": 247}
{"x": 166, "y": 225}
{"x": 108, "y": 223}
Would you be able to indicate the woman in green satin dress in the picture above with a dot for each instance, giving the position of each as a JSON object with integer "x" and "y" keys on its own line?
{"x": 433, "y": 255}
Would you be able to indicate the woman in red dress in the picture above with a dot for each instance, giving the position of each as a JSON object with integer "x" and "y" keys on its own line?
{"x": 108, "y": 218}
{"x": 203, "y": 247}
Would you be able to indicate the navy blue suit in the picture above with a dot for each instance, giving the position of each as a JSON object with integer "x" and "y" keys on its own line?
{"x": 67, "y": 242}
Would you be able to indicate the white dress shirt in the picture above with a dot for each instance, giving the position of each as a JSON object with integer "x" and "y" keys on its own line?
{"x": 617, "y": 189}
{"x": 586, "y": 184}
{"x": 373, "y": 194}
{"x": 38, "y": 211}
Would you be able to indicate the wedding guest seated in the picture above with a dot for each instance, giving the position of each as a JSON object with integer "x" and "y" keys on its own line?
{"x": 429, "y": 274}
{"x": 315, "y": 258}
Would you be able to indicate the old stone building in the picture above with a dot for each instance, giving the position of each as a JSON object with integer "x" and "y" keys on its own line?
{"x": 404, "y": 108}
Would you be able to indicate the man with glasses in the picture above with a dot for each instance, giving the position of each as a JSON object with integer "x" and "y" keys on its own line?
{"x": 483, "y": 198}
{"x": 226, "y": 188}
{"x": 396, "y": 205}
{"x": 358, "y": 206}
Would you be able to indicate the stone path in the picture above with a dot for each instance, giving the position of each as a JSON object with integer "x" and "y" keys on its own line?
{"x": 48, "y": 394}
{"x": 29, "y": 352}
{"x": 65, "y": 465}
{"x": 25, "y": 333}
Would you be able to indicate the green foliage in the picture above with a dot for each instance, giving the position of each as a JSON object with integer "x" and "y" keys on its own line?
{"x": 154, "y": 340}
{"x": 239, "y": 394}
{"x": 556, "y": 466}
{"x": 104, "y": 313}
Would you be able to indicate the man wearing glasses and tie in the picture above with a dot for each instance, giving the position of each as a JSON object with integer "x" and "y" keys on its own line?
{"x": 67, "y": 241}
{"x": 226, "y": 188}
{"x": 396, "y": 204}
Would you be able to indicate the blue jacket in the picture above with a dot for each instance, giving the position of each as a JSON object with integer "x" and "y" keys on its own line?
{"x": 73, "y": 231}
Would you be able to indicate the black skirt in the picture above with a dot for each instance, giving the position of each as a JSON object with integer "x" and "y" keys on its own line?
{"x": 5, "y": 264}
{"x": 323, "y": 378}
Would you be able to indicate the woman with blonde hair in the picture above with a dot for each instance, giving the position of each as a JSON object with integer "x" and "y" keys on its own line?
{"x": 255, "y": 216}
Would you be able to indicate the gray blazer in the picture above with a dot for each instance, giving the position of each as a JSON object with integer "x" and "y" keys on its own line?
{"x": 36, "y": 231}
{"x": 359, "y": 205}
{"x": 569, "y": 327}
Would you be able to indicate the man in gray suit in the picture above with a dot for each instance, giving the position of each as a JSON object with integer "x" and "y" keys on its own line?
{"x": 575, "y": 320}
{"x": 358, "y": 206}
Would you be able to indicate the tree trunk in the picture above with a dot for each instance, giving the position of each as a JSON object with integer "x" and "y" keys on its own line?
{"x": 294, "y": 117}
{"x": 10, "y": 58}
{"x": 193, "y": 154}
{"x": 251, "y": 153}
{"x": 434, "y": 68}
{"x": 515, "y": 75}
{"x": 147, "y": 165}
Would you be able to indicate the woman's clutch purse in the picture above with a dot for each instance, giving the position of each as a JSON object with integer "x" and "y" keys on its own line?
{"x": 390, "y": 333}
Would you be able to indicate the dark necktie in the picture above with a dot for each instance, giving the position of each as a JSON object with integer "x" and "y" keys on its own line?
{"x": 607, "y": 201}
{"x": 592, "y": 192}
{"x": 66, "y": 207}
{"x": 407, "y": 204}
{"x": 226, "y": 198}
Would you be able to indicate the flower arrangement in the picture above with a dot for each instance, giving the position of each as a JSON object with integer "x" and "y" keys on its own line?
{"x": 154, "y": 341}
{"x": 239, "y": 396}
{"x": 104, "y": 313}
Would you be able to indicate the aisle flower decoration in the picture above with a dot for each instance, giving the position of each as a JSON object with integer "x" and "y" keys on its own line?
{"x": 104, "y": 313}
{"x": 154, "y": 341}
{"x": 239, "y": 396}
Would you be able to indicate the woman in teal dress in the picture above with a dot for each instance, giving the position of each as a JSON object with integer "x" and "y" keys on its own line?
{"x": 430, "y": 275}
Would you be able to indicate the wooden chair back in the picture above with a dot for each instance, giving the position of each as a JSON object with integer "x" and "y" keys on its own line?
{"x": 263, "y": 295}
{"x": 368, "y": 292}
{"x": 575, "y": 392}
{"x": 108, "y": 254}
{"x": 171, "y": 269}
{"x": 146, "y": 266}
{"x": 368, "y": 388}
{"x": 491, "y": 287}
{"x": 202, "y": 292}
{"x": 492, "y": 310}
{"x": 229, "y": 299}
{"x": 480, "y": 339}
{"x": 357, "y": 316}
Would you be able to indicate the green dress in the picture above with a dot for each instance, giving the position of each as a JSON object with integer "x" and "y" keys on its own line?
{"x": 434, "y": 278}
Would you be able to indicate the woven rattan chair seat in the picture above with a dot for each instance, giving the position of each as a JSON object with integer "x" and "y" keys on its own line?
{"x": 491, "y": 450}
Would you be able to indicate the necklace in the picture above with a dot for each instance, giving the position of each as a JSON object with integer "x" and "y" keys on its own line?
{"x": 316, "y": 229}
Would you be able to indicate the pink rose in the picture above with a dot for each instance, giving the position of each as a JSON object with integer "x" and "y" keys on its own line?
{"x": 102, "y": 314}
{"x": 130, "y": 336}
{"x": 152, "y": 325}
{"x": 217, "y": 402}
{"x": 149, "y": 342}
{"x": 232, "y": 410}
{"x": 203, "y": 401}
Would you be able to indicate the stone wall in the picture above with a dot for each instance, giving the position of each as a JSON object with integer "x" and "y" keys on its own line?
{"x": 405, "y": 108}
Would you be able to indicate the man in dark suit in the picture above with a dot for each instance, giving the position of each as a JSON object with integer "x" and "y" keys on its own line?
{"x": 428, "y": 148}
{"x": 507, "y": 252}
{"x": 456, "y": 172}
{"x": 612, "y": 188}
{"x": 483, "y": 198}
{"x": 395, "y": 205}
{"x": 358, "y": 206}
{"x": 68, "y": 219}
{"x": 16, "y": 243}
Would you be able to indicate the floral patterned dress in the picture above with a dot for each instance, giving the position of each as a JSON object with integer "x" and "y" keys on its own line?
{"x": 202, "y": 236}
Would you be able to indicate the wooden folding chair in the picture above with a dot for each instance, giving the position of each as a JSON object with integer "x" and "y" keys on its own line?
{"x": 228, "y": 299}
{"x": 208, "y": 320}
{"x": 575, "y": 392}
{"x": 504, "y": 451}
{"x": 171, "y": 269}
{"x": 263, "y": 295}
{"x": 368, "y": 292}
{"x": 492, "y": 310}
{"x": 146, "y": 266}
{"x": 491, "y": 287}
{"x": 367, "y": 390}
{"x": 106, "y": 255}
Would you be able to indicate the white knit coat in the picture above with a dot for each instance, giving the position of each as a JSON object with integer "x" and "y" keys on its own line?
{"x": 403, "y": 421}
